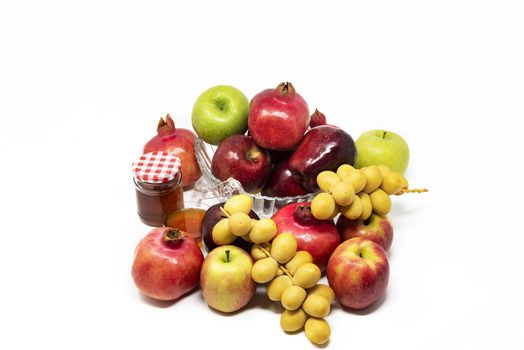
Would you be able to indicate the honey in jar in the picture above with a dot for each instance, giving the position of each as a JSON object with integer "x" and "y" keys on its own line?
{"x": 158, "y": 183}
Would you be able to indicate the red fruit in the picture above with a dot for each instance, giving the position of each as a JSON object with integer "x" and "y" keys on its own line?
{"x": 358, "y": 272}
{"x": 279, "y": 156}
{"x": 317, "y": 119}
{"x": 325, "y": 147}
{"x": 318, "y": 237}
{"x": 167, "y": 264}
{"x": 180, "y": 142}
{"x": 239, "y": 157}
{"x": 281, "y": 183}
{"x": 278, "y": 118}
{"x": 376, "y": 228}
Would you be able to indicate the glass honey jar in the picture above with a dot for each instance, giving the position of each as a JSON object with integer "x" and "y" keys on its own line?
{"x": 158, "y": 184}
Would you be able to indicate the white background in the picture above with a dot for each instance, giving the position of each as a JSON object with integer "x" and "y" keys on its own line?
{"x": 83, "y": 84}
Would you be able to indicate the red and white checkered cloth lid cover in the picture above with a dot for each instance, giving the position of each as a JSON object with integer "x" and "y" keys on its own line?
{"x": 156, "y": 167}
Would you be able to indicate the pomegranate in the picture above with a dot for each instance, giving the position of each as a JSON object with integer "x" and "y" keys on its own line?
{"x": 180, "y": 142}
{"x": 318, "y": 237}
{"x": 317, "y": 118}
{"x": 278, "y": 118}
{"x": 167, "y": 264}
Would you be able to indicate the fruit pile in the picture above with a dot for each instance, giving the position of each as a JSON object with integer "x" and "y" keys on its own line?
{"x": 288, "y": 253}
{"x": 291, "y": 275}
{"x": 267, "y": 160}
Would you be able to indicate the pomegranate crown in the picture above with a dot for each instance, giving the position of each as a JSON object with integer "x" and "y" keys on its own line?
{"x": 286, "y": 88}
{"x": 166, "y": 124}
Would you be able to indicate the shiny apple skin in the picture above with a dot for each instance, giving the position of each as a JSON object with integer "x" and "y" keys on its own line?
{"x": 279, "y": 156}
{"x": 358, "y": 273}
{"x": 377, "y": 229}
{"x": 238, "y": 156}
{"x": 281, "y": 182}
{"x": 324, "y": 147}
{"x": 277, "y": 121}
{"x": 166, "y": 270}
{"x": 319, "y": 238}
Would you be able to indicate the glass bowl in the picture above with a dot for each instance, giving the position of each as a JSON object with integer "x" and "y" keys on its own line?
{"x": 208, "y": 186}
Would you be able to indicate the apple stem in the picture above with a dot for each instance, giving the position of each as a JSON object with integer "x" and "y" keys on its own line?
{"x": 225, "y": 212}
{"x": 228, "y": 259}
{"x": 384, "y": 134}
{"x": 268, "y": 254}
{"x": 253, "y": 154}
{"x": 411, "y": 190}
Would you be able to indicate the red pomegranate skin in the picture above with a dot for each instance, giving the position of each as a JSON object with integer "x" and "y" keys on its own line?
{"x": 166, "y": 270}
{"x": 278, "y": 118}
{"x": 180, "y": 142}
{"x": 317, "y": 118}
{"x": 319, "y": 237}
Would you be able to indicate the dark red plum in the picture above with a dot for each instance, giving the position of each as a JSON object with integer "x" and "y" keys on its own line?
{"x": 214, "y": 215}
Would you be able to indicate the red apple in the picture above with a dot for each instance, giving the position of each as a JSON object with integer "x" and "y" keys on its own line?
{"x": 358, "y": 272}
{"x": 180, "y": 142}
{"x": 278, "y": 156}
{"x": 167, "y": 264}
{"x": 318, "y": 237}
{"x": 376, "y": 228}
{"x": 281, "y": 182}
{"x": 278, "y": 118}
{"x": 225, "y": 278}
{"x": 239, "y": 157}
{"x": 324, "y": 147}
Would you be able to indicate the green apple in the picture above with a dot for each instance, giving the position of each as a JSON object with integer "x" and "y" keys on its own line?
{"x": 377, "y": 147}
{"x": 225, "y": 278}
{"x": 219, "y": 112}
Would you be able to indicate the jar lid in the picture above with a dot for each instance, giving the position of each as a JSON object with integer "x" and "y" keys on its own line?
{"x": 156, "y": 167}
